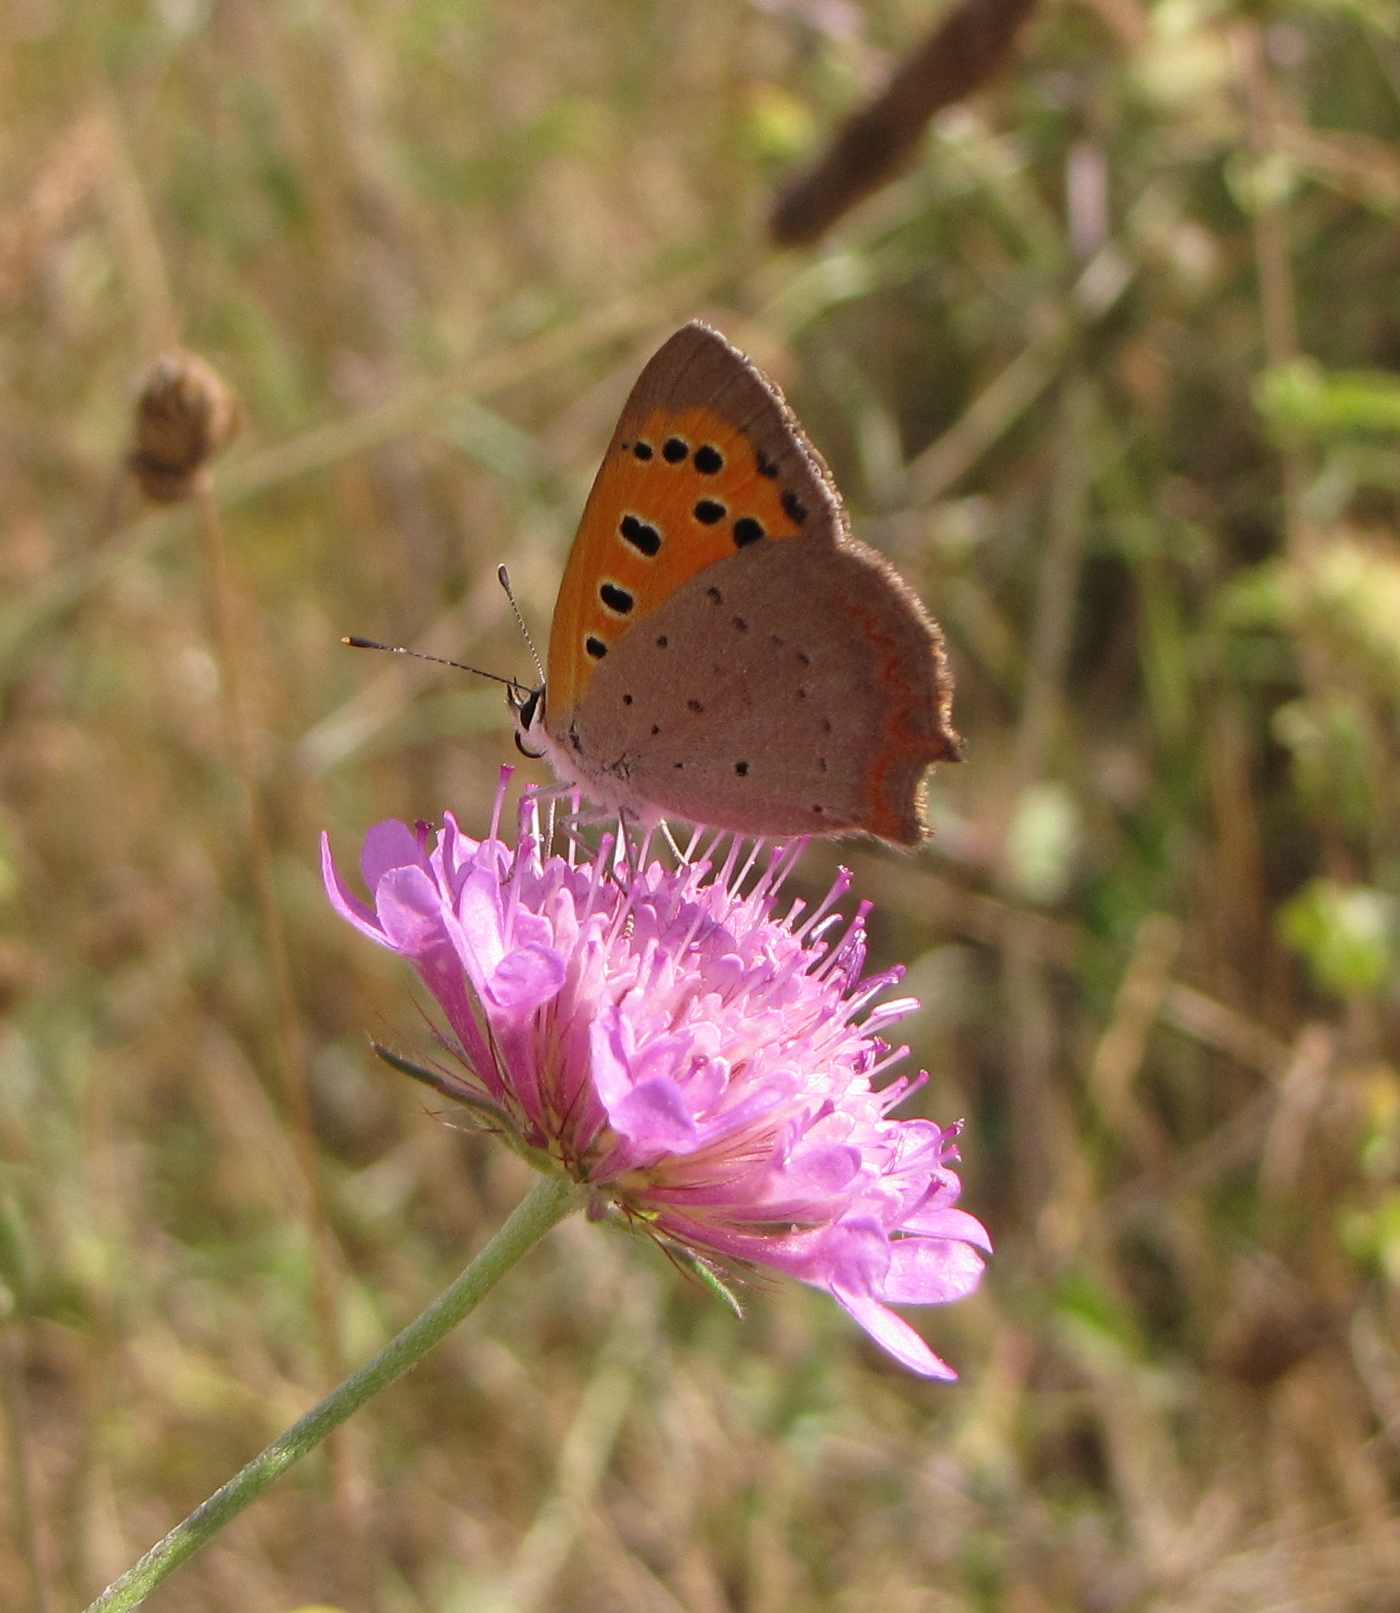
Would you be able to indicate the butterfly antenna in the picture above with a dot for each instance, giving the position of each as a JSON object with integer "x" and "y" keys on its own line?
{"x": 357, "y": 643}
{"x": 503, "y": 577}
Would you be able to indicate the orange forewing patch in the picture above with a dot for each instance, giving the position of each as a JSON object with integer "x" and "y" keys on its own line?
{"x": 672, "y": 504}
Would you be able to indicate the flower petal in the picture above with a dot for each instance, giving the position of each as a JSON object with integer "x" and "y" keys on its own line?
{"x": 345, "y": 902}
{"x": 410, "y": 910}
{"x": 893, "y": 1334}
{"x": 654, "y": 1117}
{"x": 854, "y": 1254}
{"x": 390, "y": 844}
{"x": 478, "y": 922}
{"x": 610, "y": 1057}
{"x": 945, "y": 1221}
{"x": 930, "y": 1271}
{"x": 526, "y": 979}
{"x": 821, "y": 1170}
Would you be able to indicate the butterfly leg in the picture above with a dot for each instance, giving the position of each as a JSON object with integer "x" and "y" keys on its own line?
{"x": 634, "y": 836}
{"x": 681, "y": 859}
{"x": 571, "y": 823}
{"x": 624, "y": 852}
{"x": 625, "y": 825}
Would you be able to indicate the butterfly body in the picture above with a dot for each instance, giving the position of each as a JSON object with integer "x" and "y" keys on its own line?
{"x": 722, "y": 650}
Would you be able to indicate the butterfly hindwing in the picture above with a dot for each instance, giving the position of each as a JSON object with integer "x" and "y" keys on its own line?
{"x": 787, "y": 691}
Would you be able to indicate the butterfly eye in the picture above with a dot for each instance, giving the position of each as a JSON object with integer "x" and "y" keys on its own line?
{"x": 529, "y": 714}
{"x": 528, "y": 706}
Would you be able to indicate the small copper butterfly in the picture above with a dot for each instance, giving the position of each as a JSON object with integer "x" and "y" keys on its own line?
{"x": 723, "y": 651}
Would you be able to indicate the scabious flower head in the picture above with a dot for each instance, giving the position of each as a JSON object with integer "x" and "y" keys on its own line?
{"x": 704, "y": 1065}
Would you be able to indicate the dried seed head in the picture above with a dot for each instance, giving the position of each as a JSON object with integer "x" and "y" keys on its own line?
{"x": 184, "y": 415}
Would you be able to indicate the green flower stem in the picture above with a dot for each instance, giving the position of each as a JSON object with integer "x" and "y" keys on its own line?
{"x": 548, "y": 1202}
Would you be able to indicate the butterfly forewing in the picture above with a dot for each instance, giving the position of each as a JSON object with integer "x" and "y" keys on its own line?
{"x": 707, "y": 459}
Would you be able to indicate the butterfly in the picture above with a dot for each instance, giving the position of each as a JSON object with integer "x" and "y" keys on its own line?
{"x": 722, "y": 650}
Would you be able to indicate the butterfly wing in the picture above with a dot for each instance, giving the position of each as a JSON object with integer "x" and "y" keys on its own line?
{"x": 791, "y": 689}
{"x": 722, "y": 650}
{"x": 706, "y": 458}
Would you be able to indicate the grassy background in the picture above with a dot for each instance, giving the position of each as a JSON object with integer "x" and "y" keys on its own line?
{"x": 1112, "y": 375}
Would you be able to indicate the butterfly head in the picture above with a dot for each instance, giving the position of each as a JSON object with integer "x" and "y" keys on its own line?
{"x": 527, "y": 708}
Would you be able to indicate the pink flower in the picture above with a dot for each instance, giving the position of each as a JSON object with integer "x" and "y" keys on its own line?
{"x": 703, "y": 1065}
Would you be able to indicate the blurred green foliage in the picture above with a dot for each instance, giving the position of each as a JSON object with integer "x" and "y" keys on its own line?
{"x": 1349, "y": 936}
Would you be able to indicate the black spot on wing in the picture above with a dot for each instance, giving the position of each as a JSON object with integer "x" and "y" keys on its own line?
{"x": 643, "y": 537}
